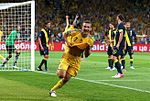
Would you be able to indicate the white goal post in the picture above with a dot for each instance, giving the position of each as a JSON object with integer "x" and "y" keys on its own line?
{"x": 22, "y": 14}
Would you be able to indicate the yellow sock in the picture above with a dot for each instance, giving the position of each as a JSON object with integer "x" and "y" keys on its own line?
{"x": 131, "y": 59}
{"x": 1, "y": 57}
{"x": 59, "y": 84}
{"x": 115, "y": 60}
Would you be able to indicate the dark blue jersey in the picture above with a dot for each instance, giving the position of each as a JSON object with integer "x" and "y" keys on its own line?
{"x": 111, "y": 35}
{"x": 120, "y": 29}
{"x": 131, "y": 34}
{"x": 44, "y": 36}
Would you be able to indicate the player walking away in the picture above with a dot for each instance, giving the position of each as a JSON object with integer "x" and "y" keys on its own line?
{"x": 110, "y": 41}
{"x": 43, "y": 39}
{"x": 76, "y": 42}
{"x": 119, "y": 43}
{"x": 10, "y": 46}
{"x": 1, "y": 57}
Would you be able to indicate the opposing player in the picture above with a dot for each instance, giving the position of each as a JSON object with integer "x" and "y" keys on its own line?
{"x": 1, "y": 57}
{"x": 43, "y": 39}
{"x": 10, "y": 46}
{"x": 76, "y": 42}
{"x": 110, "y": 41}
{"x": 132, "y": 35}
{"x": 119, "y": 44}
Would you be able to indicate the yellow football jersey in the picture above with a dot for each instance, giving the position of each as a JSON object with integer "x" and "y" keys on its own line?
{"x": 69, "y": 28}
{"x": 1, "y": 33}
{"x": 85, "y": 41}
{"x": 76, "y": 39}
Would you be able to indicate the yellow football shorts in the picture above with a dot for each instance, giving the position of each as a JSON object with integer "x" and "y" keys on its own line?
{"x": 70, "y": 63}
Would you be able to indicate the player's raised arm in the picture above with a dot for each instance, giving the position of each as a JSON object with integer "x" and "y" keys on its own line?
{"x": 67, "y": 22}
{"x": 66, "y": 40}
{"x": 1, "y": 34}
{"x": 75, "y": 20}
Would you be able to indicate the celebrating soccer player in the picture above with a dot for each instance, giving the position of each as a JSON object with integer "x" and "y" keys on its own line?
{"x": 10, "y": 46}
{"x": 76, "y": 42}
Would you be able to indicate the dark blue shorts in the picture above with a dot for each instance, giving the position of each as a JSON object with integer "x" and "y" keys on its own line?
{"x": 109, "y": 51}
{"x": 129, "y": 50}
{"x": 45, "y": 52}
{"x": 117, "y": 52}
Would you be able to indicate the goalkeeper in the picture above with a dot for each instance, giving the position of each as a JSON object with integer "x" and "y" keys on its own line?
{"x": 10, "y": 47}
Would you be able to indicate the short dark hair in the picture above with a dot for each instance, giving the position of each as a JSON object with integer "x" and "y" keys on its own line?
{"x": 121, "y": 17}
{"x": 87, "y": 21}
{"x": 46, "y": 22}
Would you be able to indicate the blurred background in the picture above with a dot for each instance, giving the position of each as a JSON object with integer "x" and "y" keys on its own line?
{"x": 100, "y": 12}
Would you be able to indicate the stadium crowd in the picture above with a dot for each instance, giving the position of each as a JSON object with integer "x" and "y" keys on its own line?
{"x": 100, "y": 12}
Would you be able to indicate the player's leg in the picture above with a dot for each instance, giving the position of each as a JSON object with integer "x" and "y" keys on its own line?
{"x": 110, "y": 58}
{"x": 130, "y": 52}
{"x": 61, "y": 73}
{"x": 117, "y": 63}
{"x": 65, "y": 72}
{"x": 110, "y": 62}
{"x": 16, "y": 58}
{"x": 122, "y": 59}
{"x": 9, "y": 51}
{"x": 1, "y": 57}
{"x": 82, "y": 56}
{"x": 64, "y": 77}
{"x": 44, "y": 60}
{"x": 62, "y": 81}
{"x": 46, "y": 51}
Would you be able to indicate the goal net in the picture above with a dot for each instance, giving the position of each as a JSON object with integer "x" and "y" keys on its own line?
{"x": 12, "y": 15}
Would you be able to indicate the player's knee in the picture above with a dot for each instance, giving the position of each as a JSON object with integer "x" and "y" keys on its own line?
{"x": 60, "y": 74}
{"x": 17, "y": 53}
{"x": 131, "y": 57}
{"x": 67, "y": 77}
{"x": 65, "y": 80}
{"x": 10, "y": 55}
{"x": 46, "y": 56}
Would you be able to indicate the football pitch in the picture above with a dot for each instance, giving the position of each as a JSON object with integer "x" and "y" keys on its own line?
{"x": 93, "y": 83}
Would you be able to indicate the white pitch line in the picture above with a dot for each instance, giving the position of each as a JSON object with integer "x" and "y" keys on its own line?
{"x": 122, "y": 80}
{"x": 102, "y": 83}
{"x": 114, "y": 85}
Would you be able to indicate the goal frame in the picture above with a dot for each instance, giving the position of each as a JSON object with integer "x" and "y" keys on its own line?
{"x": 32, "y": 35}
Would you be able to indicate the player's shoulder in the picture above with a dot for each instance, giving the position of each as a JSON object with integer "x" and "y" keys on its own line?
{"x": 40, "y": 33}
{"x": 73, "y": 32}
{"x": 90, "y": 40}
{"x": 121, "y": 26}
{"x": 13, "y": 32}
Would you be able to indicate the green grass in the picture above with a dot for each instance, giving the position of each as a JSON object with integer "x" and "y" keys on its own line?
{"x": 93, "y": 82}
